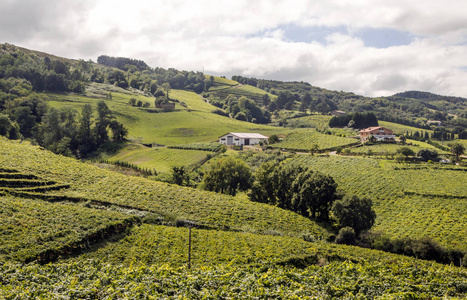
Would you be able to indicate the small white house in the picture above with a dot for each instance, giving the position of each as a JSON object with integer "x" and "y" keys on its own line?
{"x": 244, "y": 139}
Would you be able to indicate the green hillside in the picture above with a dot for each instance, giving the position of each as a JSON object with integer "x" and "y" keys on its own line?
{"x": 184, "y": 125}
{"x": 91, "y": 183}
{"x": 124, "y": 260}
{"x": 413, "y": 200}
{"x": 73, "y": 230}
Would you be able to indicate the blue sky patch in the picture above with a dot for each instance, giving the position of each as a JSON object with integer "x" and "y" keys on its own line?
{"x": 384, "y": 37}
{"x": 372, "y": 37}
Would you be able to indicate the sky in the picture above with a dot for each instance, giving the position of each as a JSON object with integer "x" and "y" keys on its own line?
{"x": 369, "y": 47}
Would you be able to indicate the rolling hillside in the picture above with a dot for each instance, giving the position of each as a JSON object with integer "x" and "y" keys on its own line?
{"x": 108, "y": 252}
{"x": 72, "y": 230}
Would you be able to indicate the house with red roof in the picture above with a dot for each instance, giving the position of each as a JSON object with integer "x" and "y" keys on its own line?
{"x": 380, "y": 134}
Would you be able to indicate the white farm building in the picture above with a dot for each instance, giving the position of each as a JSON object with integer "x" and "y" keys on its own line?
{"x": 244, "y": 139}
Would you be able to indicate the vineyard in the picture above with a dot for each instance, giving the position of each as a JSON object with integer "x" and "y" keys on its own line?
{"x": 213, "y": 147}
{"x": 101, "y": 226}
{"x": 303, "y": 140}
{"x": 92, "y": 183}
{"x": 31, "y": 229}
{"x": 388, "y": 277}
{"x": 391, "y": 149}
{"x": 428, "y": 200}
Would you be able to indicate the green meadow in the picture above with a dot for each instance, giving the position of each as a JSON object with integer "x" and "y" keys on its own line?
{"x": 160, "y": 158}
{"x": 182, "y": 126}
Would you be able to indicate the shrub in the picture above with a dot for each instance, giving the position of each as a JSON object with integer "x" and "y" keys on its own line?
{"x": 346, "y": 236}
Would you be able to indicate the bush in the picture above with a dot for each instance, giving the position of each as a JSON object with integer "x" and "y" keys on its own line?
{"x": 346, "y": 236}
{"x": 273, "y": 139}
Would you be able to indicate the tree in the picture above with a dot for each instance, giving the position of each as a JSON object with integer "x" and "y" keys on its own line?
{"x": 402, "y": 138}
{"x": 180, "y": 176}
{"x": 227, "y": 176}
{"x": 118, "y": 131}
{"x": 273, "y": 139}
{"x": 9, "y": 128}
{"x": 457, "y": 149}
{"x": 406, "y": 151}
{"x": 427, "y": 155}
{"x": 293, "y": 187}
{"x": 346, "y": 236}
{"x": 103, "y": 119}
{"x": 313, "y": 194}
{"x": 166, "y": 87}
{"x": 355, "y": 212}
{"x": 84, "y": 132}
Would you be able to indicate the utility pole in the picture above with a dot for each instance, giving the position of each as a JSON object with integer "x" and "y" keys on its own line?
{"x": 189, "y": 247}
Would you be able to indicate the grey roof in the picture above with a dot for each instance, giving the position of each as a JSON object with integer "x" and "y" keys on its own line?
{"x": 247, "y": 135}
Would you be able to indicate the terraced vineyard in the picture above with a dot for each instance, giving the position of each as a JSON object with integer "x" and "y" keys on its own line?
{"x": 92, "y": 183}
{"x": 303, "y": 140}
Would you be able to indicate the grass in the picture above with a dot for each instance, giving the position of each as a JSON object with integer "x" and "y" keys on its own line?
{"x": 178, "y": 127}
{"x": 192, "y": 100}
{"x": 161, "y": 159}
{"x": 248, "y": 91}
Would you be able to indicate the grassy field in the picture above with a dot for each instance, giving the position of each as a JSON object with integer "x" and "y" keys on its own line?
{"x": 248, "y": 91}
{"x": 161, "y": 159}
{"x": 192, "y": 100}
{"x": 181, "y": 126}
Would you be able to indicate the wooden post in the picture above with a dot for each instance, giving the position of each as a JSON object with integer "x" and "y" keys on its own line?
{"x": 189, "y": 247}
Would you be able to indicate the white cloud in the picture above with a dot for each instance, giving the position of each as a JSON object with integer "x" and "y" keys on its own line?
{"x": 247, "y": 37}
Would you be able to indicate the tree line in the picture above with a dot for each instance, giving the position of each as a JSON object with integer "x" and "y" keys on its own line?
{"x": 292, "y": 187}
{"x": 63, "y": 131}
